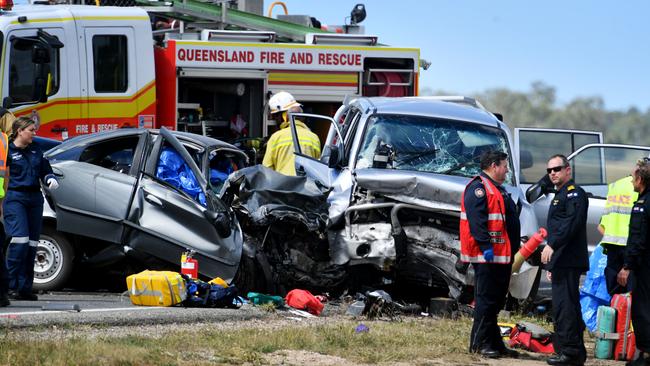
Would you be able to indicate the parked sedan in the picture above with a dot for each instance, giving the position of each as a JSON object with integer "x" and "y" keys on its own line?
{"x": 138, "y": 196}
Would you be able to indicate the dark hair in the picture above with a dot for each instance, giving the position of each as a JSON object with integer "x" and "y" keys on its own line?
{"x": 643, "y": 171}
{"x": 20, "y": 123}
{"x": 565, "y": 161}
{"x": 492, "y": 157}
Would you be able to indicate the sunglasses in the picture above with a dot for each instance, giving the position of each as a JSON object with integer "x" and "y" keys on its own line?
{"x": 554, "y": 169}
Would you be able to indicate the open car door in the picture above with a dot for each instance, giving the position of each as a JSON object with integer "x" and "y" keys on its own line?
{"x": 536, "y": 145}
{"x": 326, "y": 169}
{"x": 593, "y": 167}
{"x": 174, "y": 210}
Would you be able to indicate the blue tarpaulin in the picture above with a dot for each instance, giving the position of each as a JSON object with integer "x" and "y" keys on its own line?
{"x": 594, "y": 290}
{"x": 173, "y": 170}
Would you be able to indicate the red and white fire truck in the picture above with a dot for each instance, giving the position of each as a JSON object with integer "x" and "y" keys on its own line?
{"x": 190, "y": 66}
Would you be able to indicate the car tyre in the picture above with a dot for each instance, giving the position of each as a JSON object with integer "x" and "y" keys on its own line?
{"x": 54, "y": 261}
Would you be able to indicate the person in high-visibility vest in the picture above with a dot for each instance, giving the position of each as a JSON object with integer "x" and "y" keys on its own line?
{"x": 279, "y": 154}
{"x": 614, "y": 226}
{"x": 489, "y": 237}
{"x": 4, "y": 275}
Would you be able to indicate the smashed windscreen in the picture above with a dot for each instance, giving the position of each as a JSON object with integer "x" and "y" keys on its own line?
{"x": 428, "y": 145}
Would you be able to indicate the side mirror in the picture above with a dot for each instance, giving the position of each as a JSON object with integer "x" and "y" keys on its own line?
{"x": 542, "y": 187}
{"x": 221, "y": 222}
{"x": 232, "y": 190}
{"x": 533, "y": 193}
{"x": 525, "y": 159}
{"x": 7, "y": 102}
{"x": 336, "y": 153}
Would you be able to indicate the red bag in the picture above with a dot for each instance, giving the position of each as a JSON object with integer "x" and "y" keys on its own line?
{"x": 304, "y": 300}
{"x": 531, "y": 338}
{"x": 626, "y": 344}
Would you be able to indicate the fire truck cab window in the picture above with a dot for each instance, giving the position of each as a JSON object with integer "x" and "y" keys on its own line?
{"x": 110, "y": 63}
{"x": 22, "y": 71}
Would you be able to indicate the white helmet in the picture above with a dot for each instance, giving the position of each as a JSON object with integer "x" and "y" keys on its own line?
{"x": 282, "y": 101}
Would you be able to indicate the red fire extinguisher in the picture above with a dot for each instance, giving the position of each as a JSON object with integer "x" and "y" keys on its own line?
{"x": 189, "y": 265}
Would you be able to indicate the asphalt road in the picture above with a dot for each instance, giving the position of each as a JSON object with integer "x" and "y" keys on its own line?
{"x": 61, "y": 308}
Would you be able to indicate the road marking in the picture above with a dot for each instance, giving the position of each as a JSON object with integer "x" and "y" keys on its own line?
{"x": 13, "y": 315}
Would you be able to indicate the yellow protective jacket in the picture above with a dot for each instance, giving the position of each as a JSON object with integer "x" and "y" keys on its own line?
{"x": 279, "y": 149}
{"x": 616, "y": 216}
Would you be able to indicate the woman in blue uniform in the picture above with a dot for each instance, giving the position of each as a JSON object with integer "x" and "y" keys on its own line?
{"x": 23, "y": 205}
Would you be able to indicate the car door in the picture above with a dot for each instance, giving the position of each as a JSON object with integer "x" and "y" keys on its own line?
{"x": 536, "y": 145}
{"x": 166, "y": 220}
{"x": 326, "y": 169}
{"x": 593, "y": 167}
{"x": 94, "y": 192}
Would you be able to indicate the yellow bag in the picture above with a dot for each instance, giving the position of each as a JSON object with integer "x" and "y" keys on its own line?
{"x": 156, "y": 288}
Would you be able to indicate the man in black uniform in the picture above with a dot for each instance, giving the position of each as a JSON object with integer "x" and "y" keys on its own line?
{"x": 566, "y": 257}
{"x": 637, "y": 262}
{"x": 492, "y": 277}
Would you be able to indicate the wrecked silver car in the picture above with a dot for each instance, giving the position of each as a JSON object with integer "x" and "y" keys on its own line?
{"x": 396, "y": 169}
{"x": 136, "y": 198}
{"x": 284, "y": 220}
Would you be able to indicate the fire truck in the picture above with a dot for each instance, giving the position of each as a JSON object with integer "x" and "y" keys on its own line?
{"x": 192, "y": 66}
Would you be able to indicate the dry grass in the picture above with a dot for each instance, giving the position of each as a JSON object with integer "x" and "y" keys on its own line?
{"x": 411, "y": 341}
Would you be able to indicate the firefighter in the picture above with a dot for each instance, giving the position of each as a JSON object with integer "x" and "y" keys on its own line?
{"x": 4, "y": 275}
{"x": 6, "y": 120}
{"x": 279, "y": 149}
{"x": 614, "y": 226}
{"x": 566, "y": 258}
{"x": 489, "y": 237}
{"x": 636, "y": 266}
{"x": 23, "y": 206}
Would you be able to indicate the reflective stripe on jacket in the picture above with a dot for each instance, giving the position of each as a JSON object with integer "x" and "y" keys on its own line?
{"x": 616, "y": 216}
{"x": 279, "y": 154}
{"x": 4, "y": 150}
{"x": 469, "y": 248}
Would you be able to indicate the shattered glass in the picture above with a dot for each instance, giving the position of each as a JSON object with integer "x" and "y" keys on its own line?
{"x": 427, "y": 144}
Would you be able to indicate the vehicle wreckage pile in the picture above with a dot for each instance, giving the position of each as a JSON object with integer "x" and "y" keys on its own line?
{"x": 291, "y": 242}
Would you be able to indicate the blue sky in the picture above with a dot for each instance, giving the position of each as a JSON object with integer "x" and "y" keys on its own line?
{"x": 582, "y": 48}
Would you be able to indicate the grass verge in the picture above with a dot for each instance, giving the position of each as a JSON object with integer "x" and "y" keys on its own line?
{"x": 413, "y": 341}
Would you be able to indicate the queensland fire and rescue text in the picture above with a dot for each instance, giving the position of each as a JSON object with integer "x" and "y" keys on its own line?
{"x": 269, "y": 57}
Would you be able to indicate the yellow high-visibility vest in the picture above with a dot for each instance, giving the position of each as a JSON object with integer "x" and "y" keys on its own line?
{"x": 279, "y": 149}
{"x": 616, "y": 216}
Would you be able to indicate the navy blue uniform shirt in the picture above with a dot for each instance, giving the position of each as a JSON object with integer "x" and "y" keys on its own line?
{"x": 637, "y": 251}
{"x": 27, "y": 166}
{"x": 477, "y": 214}
{"x": 567, "y": 228}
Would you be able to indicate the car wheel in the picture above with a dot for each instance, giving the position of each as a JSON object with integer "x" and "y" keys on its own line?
{"x": 53, "y": 263}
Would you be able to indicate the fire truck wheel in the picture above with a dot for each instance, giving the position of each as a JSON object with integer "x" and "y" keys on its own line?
{"x": 53, "y": 263}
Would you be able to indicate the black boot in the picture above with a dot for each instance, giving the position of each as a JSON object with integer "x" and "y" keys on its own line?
{"x": 4, "y": 300}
